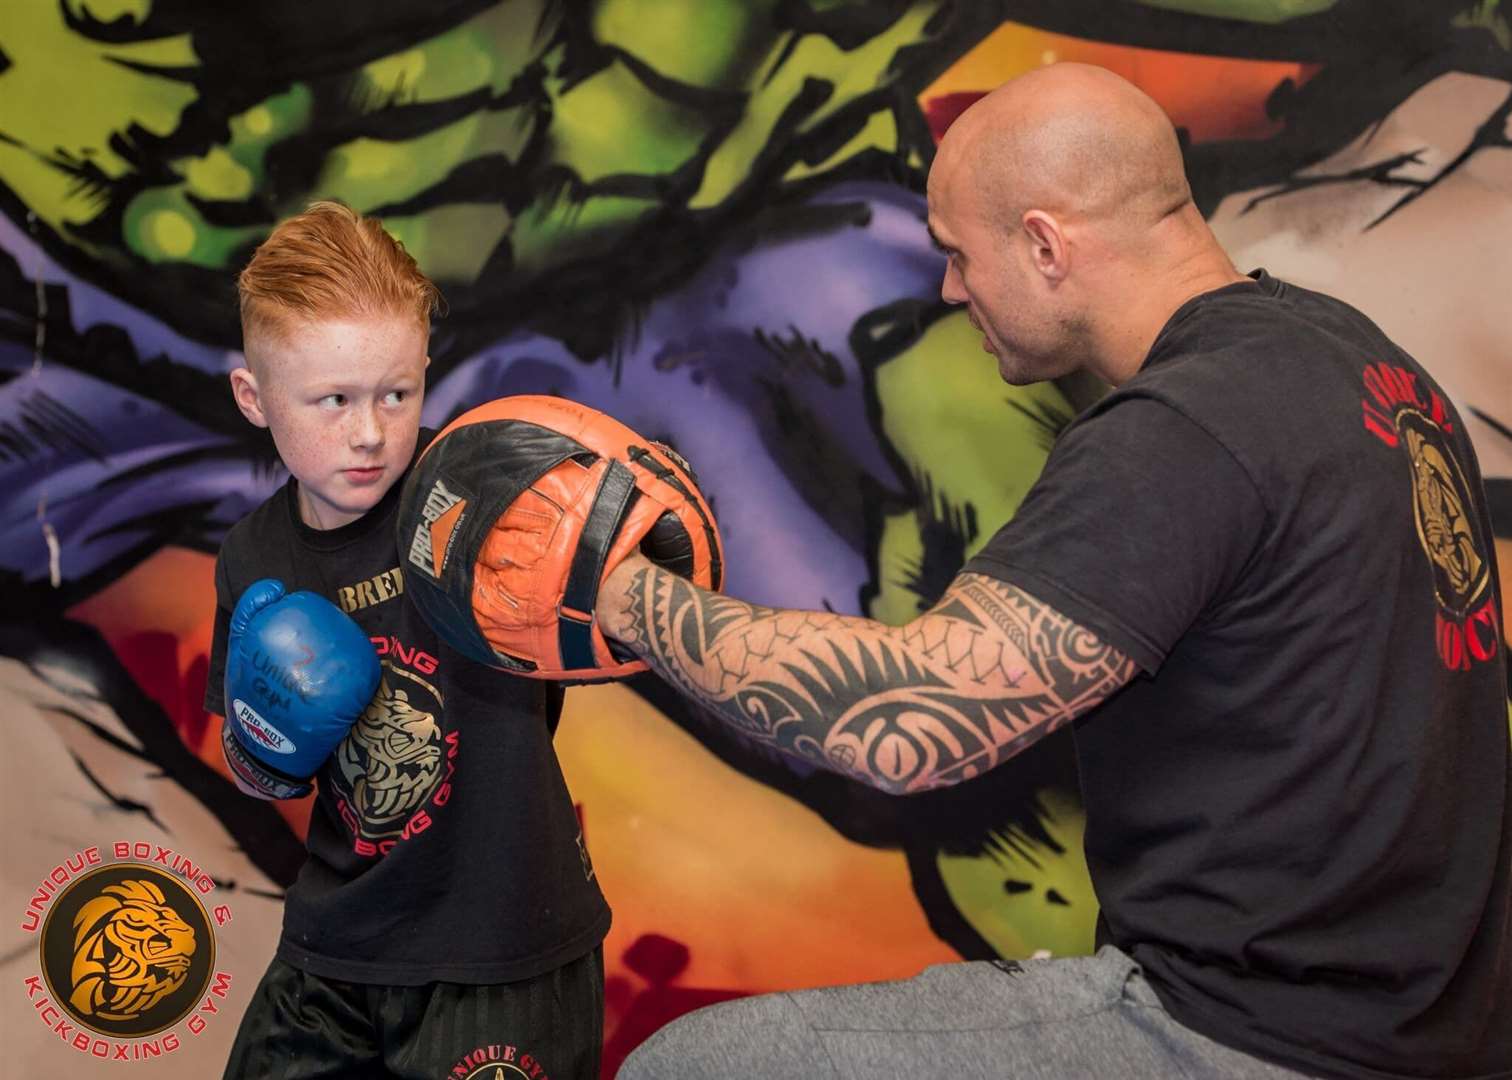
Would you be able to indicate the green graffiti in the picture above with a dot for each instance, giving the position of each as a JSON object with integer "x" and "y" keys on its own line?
{"x": 1023, "y": 896}
{"x": 503, "y": 141}
{"x": 658, "y": 33}
{"x": 74, "y": 108}
{"x": 971, "y": 439}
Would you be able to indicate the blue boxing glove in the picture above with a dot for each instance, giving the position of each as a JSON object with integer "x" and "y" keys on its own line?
{"x": 299, "y": 673}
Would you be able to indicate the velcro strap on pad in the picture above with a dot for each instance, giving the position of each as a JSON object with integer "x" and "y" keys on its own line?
{"x": 615, "y": 493}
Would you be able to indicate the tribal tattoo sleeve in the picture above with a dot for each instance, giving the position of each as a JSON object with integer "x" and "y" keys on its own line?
{"x": 955, "y": 692}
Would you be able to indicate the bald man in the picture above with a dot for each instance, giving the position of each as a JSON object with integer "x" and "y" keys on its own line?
{"x": 1256, "y": 577}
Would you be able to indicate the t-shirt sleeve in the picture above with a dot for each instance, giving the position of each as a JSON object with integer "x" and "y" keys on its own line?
{"x": 215, "y": 690}
{"x": 1140, "y": 521}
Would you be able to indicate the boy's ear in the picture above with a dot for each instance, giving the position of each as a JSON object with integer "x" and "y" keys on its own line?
{"x": 244, "y": 390}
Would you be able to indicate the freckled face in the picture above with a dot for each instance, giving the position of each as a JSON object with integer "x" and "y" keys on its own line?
{"x": 342, "y": 400}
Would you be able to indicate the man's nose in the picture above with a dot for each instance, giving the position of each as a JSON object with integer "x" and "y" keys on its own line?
{"x": 952, "y": 289}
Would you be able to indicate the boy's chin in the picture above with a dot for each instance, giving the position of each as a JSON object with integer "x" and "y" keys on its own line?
{"x": 343, "y": 507}
{"x": 361, "y": 500}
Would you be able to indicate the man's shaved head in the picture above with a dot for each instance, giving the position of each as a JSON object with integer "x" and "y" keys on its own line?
{"x": 1072, "y": 139}
{"x": 1062, "y": 202}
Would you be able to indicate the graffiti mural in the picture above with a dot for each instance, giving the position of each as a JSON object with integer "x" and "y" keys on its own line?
{"x": 707, "y": 219}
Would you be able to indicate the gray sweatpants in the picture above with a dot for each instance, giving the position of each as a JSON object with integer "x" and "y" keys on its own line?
{"x": 1091, "y": 1016}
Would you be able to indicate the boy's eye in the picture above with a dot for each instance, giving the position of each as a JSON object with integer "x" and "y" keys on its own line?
{"x": 396, "y": 397}
{"x": 336, "y": 400}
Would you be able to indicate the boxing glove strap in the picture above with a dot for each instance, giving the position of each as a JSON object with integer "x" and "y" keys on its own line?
{"x": 255, "y": 774}
{"x": 575, "y": 631}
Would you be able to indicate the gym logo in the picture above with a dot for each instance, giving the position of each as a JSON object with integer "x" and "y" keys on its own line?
{"x": 395, "y": 765}
{"x": 497, "y": 1061}
{"x": 126, "y": 950}
{"x": 439, "y": 517}
{"x": 1466, "y": 627}
{"x": 1440, "y": 500}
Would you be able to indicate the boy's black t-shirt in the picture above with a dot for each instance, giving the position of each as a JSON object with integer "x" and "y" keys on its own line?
{"x": 443, "y": 845}
{"x": 1298, "y": 818}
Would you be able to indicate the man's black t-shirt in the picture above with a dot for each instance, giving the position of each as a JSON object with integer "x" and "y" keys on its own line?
{"x": 443, "y": 845}
{"x": 1298, "y": 817}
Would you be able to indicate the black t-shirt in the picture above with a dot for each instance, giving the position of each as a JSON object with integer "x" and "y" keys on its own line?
{"x": 443, "y": 845}
{"x": 1298, "y": 816}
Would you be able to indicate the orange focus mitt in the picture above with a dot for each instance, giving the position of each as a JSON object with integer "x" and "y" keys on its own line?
{"x": 518, "y": 510}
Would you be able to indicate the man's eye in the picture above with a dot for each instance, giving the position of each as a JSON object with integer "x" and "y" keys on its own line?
{"x": 396, "y": 397}
{"x": 334, "y": 400}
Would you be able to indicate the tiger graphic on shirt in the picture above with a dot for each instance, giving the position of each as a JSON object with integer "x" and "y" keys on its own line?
{"x": 394, "y": 763}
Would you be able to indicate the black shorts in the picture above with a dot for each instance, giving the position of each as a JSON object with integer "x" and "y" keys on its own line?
{"x": 300, "y": 1026}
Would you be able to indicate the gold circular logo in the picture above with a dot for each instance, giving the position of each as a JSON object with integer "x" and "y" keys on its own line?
{"x": 127, "y": 950}
{"x": 1444, "y": 509}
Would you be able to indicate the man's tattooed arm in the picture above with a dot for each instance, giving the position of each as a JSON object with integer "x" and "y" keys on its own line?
{"x": 960, "y": 689}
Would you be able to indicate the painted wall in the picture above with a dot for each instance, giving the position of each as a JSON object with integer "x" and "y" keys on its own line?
{"x": 705, "y": 217}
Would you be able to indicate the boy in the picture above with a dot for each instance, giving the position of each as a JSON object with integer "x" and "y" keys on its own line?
{"x": 447, "y": 914}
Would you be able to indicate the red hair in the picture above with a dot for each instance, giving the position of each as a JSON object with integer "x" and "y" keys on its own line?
{"x": 332, "y": 263}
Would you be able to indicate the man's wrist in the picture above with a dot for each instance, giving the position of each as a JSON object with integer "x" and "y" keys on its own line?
{"x": 615, "y": 606}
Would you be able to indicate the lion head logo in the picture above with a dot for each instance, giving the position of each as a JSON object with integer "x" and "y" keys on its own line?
{"x": 131, "y": 950}
{"x": 391, "y": 761}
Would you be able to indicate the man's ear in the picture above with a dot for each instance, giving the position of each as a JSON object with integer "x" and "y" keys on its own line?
{"x": 244, "y": 390}
{"x": 1048, "y": 251}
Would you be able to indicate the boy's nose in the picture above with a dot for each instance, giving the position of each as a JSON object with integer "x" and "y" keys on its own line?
{"x": 367, "y": 429}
